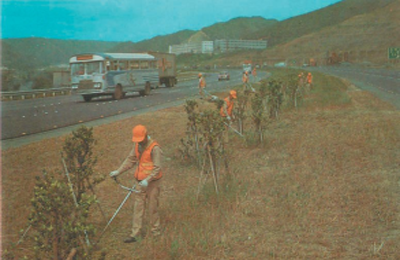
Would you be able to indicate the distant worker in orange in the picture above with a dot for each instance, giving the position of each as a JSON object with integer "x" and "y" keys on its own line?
{"x": 254, "y": 73}
{"x": 246, "y": 83}
{"x": 147, "y": 155}
{"x": 301, "y": 80}
{"x": 202, "y": 85}
{"x": 227, "y": 108}
{"x": 309, "y": 80}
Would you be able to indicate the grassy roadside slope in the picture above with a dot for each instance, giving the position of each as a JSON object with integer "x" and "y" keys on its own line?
{"x": 325, "y": 185}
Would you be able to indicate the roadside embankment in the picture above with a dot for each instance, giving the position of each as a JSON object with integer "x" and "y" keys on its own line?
{"x": 324, "y": 184}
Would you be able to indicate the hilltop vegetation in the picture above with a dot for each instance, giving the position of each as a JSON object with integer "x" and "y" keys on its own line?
{"x": 332, "y": 15}
{"x": 41, "y": 52}
{"x": 365, "y": 37}
{"x": 238, "y": 28}
{"x": 158, "y": 43}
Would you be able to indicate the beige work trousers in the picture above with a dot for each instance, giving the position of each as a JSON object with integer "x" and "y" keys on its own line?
{"x": 151, "y": 196}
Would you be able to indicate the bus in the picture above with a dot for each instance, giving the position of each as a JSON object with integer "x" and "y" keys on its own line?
{"x": 113, "y": 74}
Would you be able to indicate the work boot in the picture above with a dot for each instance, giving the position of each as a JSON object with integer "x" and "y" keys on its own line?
{"x": 130, "y": 240}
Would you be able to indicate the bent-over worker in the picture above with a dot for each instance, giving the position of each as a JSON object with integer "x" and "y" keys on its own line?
{"x": 227, "y": 108}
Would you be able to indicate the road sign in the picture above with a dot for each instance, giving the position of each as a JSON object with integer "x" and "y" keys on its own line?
{"x": 394, "y": 53}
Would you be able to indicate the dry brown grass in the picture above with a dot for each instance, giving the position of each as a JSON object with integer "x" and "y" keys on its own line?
{"x": 325, "y": 185}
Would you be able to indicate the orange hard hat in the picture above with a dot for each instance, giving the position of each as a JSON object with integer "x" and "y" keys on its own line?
{"x": 139, "y": 132}
{"x": 232, "y": 93}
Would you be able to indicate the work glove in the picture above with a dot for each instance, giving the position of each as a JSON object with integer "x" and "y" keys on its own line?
{"x": 114, "y": 174}
{"x": 144, "y": 183}
{"x": 229, "y": 118}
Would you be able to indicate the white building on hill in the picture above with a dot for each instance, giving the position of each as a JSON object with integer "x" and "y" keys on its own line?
{"x": 199, "y": 47}
{"x": 218, "y": 46}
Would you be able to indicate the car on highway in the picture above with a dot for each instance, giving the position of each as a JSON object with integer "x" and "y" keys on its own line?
{"x": 224, "y": 75}
{"x": 280, "y": 65}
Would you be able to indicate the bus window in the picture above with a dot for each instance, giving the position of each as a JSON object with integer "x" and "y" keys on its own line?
{"x": 92, "y": 67}
{"x": 112, "y": 65}
{"x": 144, "y": 65}
{"x": 116, "y": 65}
{"x": 123, "y": 65}
{"x": 77, "y": 69}
{"x": 153, "y": 64}
{"x": 134, "y": 64}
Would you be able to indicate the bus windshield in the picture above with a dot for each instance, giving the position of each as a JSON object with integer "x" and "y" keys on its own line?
{"x": 85, "y": 68}
{"x": 77, "y": 69}
{"x": 92, "y": 67}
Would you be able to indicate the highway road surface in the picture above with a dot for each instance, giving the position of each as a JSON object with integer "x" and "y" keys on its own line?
{"x": 30, "y": 120}
{"x": 24, "y": 120}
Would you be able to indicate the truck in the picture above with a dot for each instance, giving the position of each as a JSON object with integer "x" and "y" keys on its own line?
{"x": 166, "y": 68}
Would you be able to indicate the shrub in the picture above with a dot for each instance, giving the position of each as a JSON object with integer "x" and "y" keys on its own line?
{"x": 43, "y": 81}
{"x": 59, "y": 225}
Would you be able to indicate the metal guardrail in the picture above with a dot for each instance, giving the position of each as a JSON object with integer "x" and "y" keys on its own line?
{"x": 52, "y": 92}
{"x": 39, "y": 93}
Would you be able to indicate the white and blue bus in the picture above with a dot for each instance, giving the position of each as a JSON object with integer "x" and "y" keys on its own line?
{"x": 113, "y": 74}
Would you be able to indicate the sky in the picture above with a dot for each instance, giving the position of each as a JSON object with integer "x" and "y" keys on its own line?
{"x": 134, "y": 20}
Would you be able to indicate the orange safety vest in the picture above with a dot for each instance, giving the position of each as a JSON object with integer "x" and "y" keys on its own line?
{"x": 202, "y": 82}
{"x": 245, "y": 78}
{"x": 146, "y": 164}
{"x": 309, "y": 79}
{"x": 229, "y": 107}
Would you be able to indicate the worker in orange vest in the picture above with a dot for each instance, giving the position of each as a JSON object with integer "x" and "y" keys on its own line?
{"x": 202, "y": 85}
{"x": 147, "y": 155}
{"x": 309, "y": 80}
{"x": 227, "y": 108}
{"x": 246, "y": 84}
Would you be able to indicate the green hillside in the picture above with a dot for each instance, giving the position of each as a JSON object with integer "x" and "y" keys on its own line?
{"x": 12, "y": 58}
{"x": 40, "y": 52}
{"x": 198, "y": 37}
{"x": 238, "y": 28}
{"x": 298, "y": 26}
{"x": 364, "y": 38}
{"x": 158, "y": 43}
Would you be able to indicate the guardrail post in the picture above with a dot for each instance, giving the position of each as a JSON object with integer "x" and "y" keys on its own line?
{"x": 23, "y": 97}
